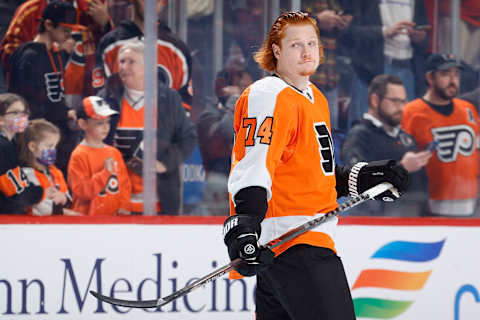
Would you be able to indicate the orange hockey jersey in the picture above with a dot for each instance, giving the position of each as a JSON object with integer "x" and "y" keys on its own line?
{"x": 52, "y": 178}
{"x": 283, "y": 144}
{"x": 95, "y": 190}
{"x": 453, "y": 169}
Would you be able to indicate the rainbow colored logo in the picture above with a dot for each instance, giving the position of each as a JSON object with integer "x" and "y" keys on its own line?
{"x": 403, "y": 252}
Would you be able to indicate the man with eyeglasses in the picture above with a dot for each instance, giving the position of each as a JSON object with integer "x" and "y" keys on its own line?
{"x": 378, "y": 136}
{"x": 453, "y": 125}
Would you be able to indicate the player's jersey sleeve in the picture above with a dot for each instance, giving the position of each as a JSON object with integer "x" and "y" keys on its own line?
{"x": 265, "y": 125}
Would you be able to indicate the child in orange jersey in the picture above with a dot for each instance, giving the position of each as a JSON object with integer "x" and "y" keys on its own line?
{"x": 97, "y": 174}
{"x": 37, "y": 156}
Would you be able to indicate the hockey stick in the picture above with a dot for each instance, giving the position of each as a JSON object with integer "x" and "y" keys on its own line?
{"x": 368, "y": 194}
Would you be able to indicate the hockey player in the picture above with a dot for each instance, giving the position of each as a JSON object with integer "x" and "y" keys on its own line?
{"x": 284, "y": 174}
{"x": 174, "y": 59}
{"x": 453, "y": 124}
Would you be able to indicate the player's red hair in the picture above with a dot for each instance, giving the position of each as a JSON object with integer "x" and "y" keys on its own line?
{"x": 265, "y": 57}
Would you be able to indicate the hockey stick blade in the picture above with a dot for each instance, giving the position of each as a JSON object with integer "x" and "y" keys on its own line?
{"x": 368, "y": 194}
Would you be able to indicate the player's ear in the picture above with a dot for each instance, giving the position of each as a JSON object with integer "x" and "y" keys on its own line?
{"x": 276, "y": 50}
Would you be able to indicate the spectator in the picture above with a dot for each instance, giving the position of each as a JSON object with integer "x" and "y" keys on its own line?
{"x": 473, "y": 97}
{"x": 215, "y": 134}
{"x": 248, "y": 14}
{"x": 453, "y": 124}
{"x": 92, "y": 14}
{"x": 176, "y": 137}
{"x": 440, "y": 16}
{"x": 38, "y": 73}
{"x": 37, "y": 156}
{"x": 332, "y": 23}
{"x": 97, "y": 174}
{"x": 16, "y": 194}
{"x": 174, "y": 60}
{"x": 383, "y": 39}
{"x": 380, "y": 127}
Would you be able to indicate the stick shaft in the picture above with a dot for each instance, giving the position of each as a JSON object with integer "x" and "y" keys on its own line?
{"x": 369, "y": 194}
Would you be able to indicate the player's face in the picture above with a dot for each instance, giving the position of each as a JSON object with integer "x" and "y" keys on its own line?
{"x": 130, "y": 69}
{"x": 299, "y": 53}
{"x": 97, "y": 130}
{"x": 391, "y": 105}
{"x": 445, "y": 83}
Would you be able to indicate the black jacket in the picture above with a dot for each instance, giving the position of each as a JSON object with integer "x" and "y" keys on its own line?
{"x": 365, "y": 39}
{"x": 176, "y": 138}
{"x": 367, "y": 142}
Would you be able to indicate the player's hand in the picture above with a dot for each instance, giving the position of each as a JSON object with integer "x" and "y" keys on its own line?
{"x": 414, "y": 161}
{"x": 241, "y": 234}
{"x": 365, "y": 176}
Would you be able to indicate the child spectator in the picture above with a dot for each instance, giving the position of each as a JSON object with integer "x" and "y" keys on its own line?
{"x": 97, "y": 173}
{"x": 16, "y": 194}
{"x": 37, "y": 155}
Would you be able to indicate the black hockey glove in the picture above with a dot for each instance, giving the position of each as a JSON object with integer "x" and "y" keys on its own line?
{"x": 241, "y": 232}
{"x": 364, "y": 176}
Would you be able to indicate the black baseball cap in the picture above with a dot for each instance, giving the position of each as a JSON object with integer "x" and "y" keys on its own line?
{"x": 62, "y": 13}
{"x": 441, "y": 61}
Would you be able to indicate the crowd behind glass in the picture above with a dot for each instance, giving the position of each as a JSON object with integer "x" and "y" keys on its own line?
{"x": 379, "y": 57}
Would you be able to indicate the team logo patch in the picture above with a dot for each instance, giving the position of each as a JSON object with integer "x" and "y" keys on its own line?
{"x": 249, "y": 249}
{"x": 54, "y": 85}
{"x": 454, "y": 140}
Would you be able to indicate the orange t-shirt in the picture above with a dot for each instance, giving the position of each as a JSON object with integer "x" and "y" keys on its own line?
{"x": 453, "y": 169}
{"x": 283, "y": 144}
{"x": 96, "y": 191}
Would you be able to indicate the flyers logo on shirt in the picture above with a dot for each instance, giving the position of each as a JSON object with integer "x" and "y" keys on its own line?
{"x": 325, "y": 142}
{"x": 54, "y": 85}
{"x": 454, "y": 140}
{"x": 112, "y": 186}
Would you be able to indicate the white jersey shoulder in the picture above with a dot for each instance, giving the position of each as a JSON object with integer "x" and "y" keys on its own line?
{"x": 263, "y": 94}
